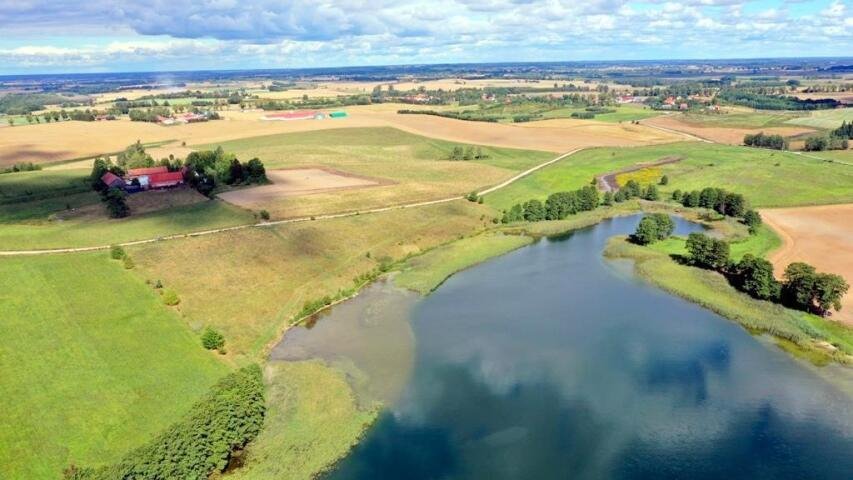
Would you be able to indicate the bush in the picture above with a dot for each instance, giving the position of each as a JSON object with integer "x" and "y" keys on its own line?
{"x": 114, "y": 199}
{"x": 128, "y": 263}
{"x": 265, "y": 215}
{"x": 777, "y": 142}
{"x": 117, "y": 252}
{"x": 754, "y": 276}
{"x": 752, "y": 219}
{"x": 664, "y": 180}
{"x": 170, "y": 298}
{"x": 211, "y": 339}
{"x": 229, "y": 417}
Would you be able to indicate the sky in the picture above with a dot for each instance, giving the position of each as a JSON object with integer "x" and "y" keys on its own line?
{"x": 54, "y": 36}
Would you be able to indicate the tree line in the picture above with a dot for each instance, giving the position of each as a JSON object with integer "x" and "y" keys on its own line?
{"x": 556, "y": 207}
{"x": 760, "y": 139}
{"x": 838, "y": 139}
{"x": 200, "y": 444}
{"x": 802, "y": 287}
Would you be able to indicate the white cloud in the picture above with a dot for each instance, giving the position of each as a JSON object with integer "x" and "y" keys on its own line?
{"x": 299, "y": 32}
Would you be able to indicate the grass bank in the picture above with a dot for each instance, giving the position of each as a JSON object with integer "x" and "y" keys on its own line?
{"x": 812, "y": 337}
{"x": 427, "y": 272}
{"x": 93, "y": 364}
{"x": 313, "y": 420}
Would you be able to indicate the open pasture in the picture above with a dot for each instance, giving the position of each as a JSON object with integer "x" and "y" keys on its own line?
{"x": 720, "y": 131}
{"x": 821, "y": 236}
{"x": 825, "y": 119}
{"x": 250, "y": 283}
{"x": 767, "y": 178}
{"x": 408, "y": 168}
{"x": 79, "y": 324}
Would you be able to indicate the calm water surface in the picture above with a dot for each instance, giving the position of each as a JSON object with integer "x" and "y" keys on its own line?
{"x": 552, "y": 362}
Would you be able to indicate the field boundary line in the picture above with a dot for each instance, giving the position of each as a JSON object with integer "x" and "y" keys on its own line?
{"x": 329, "y": 216}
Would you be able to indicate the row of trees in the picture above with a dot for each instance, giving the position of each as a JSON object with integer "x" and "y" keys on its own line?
{"x": 723, "y": 202}
{"x": 776, "y": 142}
{"x": 762, "y": 101}
{"x": 802, "y": 287}
{"x": 556, "y": 207}
{"x": 203, "y": 441}
{"x": 633, "y": 189}
{"x": 819, "y": 143}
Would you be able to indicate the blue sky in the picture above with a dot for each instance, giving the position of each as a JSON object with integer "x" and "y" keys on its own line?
{"x": 39, "y": 36}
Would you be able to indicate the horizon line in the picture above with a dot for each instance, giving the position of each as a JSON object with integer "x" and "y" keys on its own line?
{"x": 427, "y": 64}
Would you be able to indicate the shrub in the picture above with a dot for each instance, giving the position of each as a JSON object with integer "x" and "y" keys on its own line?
{"x": 211, "y": 339}
{"x": 664, "y": 180}
{"x": 229, "y": 417}
{"x": 128, "y": 263}
{"x": 114, "y": 199}
{"x": 265, "y": 215}
{"x": 170, "y": 298}
{"x": 752, "y": 219}
{"x": 654, "y": 227}
{"x": 117, "y": 252}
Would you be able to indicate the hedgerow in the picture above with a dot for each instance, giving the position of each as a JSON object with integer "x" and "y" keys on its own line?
{"x": 226, "y": 420}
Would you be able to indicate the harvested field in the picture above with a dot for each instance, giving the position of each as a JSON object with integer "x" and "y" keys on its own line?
{"x": 69, "y": 140}
{"x": 296, "y": 181}
{"x": 821, "y": 236}
{"x": 550, "y": 135}
{"x": 720, "y": 134}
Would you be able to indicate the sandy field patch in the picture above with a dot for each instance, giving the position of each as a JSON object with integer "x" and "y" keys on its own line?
{"x": 821, "y": 236}
{"x": 291, "y": 182}
{"x": 727, "y": 135}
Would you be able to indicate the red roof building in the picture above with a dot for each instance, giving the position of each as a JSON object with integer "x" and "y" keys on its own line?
{"x": 112, "y": 180}
{"x": 165, "y": 179}
{"x": 138, "y": 172}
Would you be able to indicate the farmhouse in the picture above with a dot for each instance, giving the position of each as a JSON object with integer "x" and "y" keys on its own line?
{"x": 149, "y": 178}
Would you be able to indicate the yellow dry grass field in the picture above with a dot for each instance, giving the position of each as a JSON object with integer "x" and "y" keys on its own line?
{"x": 821, "y": 236}
{"x": 726, "y": 135}
{"x": 291, "y": 182}
{"x": 269, "y": 273}
{"x": 69, "y": 140}
{"x": 321, "y": 91}
{"x": 548, "y": 135}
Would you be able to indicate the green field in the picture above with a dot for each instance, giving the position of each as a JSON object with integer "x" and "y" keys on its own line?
{"x": 313, "y": 419}
{"x": 744, "y": 118}
{"x": 92, "y": 363}
{"x": 824, "y": 119}
{"x": 760, "y": 244}
{"x": 505, "y": 113}
{"x": 767, "y": 178}
{"x": 22, "y": 187}
{"x": 105, "y": 231}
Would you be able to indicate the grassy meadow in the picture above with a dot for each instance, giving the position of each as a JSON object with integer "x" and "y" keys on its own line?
{"x": 250, "y": 283}
{"x": 824, "y": 119}
{"x": 92, "y": 363}
{"x": 745, "y": 118}
{"x": 767, "y": 178}
{"x": 412, "y": 168}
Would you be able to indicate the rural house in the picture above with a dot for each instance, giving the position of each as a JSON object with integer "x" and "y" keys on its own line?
{"x": 148, "y": 178}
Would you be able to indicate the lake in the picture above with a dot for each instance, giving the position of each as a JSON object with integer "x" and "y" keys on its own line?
{"x": 553, "y": 362}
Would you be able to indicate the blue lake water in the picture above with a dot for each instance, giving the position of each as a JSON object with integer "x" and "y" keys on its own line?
{"x": 553, "y": 362}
